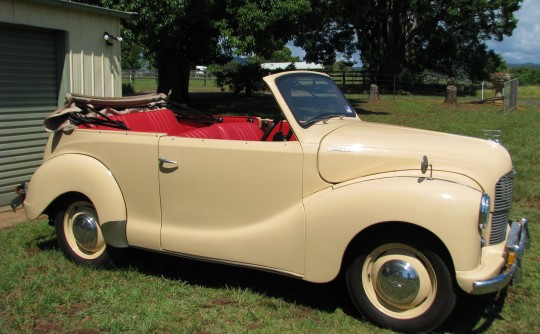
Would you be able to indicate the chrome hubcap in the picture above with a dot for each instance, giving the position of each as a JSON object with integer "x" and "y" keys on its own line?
{"x": 399, "y": 280}
{"x": 398, "y": 283}
{"x": 85, "y": 230}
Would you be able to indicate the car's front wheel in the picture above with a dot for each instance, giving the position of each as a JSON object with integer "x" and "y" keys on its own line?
{"x": 402, "y": 285}
{"x": 79, "y": 234}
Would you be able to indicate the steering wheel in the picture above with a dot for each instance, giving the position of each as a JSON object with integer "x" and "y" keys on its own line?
{"x": 269, "y": 129}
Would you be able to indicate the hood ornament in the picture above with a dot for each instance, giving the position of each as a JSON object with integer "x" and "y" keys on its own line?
{"x": 424, "y": 165}
{"x": 493, "y": 135}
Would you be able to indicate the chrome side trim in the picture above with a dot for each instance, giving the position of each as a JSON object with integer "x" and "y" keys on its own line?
{"x": 518, "y": 241}
{"x": 114, "y": 233}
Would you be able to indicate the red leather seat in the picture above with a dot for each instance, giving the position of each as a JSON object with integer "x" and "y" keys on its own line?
{"x": 162, "y": 121}
{"x": 231, "y": 131}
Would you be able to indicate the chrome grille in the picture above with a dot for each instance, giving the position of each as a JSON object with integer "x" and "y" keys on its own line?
{"x": 503, "y": 203}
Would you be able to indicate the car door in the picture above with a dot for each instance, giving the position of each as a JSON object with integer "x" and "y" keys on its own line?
{"x": 231, "y": 200}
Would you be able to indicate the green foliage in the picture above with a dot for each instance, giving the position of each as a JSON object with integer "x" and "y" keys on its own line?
{"x": 131, "y": 57}
{"x": 213, "y": 68}
{"x": 127, "y": 89}
{"x": 176, "y": 35}
{"x": 239, "y": 77}
{"x": 282, "y": 56}
{"x": 342, "y": 66}
{"x": 441, "y": 36}
{"x": 261, "y": 27}
{"x": 526, "y": 75}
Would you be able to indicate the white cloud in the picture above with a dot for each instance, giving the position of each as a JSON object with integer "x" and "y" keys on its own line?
{"x": 524, "y": 44}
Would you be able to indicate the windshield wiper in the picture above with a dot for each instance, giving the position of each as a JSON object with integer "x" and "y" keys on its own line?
{"x": 322, "y": 118}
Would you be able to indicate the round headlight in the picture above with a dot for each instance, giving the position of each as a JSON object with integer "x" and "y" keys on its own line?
{"x": 485, "y": 205}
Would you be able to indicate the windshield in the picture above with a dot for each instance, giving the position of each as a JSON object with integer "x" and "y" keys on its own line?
{"x": 313, "y": 98}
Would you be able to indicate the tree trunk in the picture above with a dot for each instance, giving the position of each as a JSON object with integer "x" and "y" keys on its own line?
{"x": 451, "y": 95}
{"x": 173, "y": 76}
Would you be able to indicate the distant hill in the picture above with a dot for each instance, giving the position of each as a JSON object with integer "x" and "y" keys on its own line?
{"x": 526, "y": 65}
{"x": 240, "y": 60}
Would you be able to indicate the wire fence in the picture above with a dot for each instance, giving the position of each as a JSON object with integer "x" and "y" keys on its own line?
{"x": 201, "y": 78}
{"x": 402, "y": 85}
{"x": 352, "y": 82}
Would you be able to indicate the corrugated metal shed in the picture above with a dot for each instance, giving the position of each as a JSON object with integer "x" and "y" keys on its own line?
{"x": 47, "y": 49}
{"x": 28, "y": 92}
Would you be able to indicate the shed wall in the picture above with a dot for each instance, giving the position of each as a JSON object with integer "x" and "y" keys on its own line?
{"x": 47, "y": 51}
{"x": 90, "y": 66}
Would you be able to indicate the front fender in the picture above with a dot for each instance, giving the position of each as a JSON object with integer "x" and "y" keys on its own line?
{"x": 82, "y": 174}
{"x": 334, "y": 217}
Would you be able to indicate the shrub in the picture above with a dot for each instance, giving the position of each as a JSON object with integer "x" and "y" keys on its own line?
{"x": 239, "y": 77}
{"x": 127, "y": 88}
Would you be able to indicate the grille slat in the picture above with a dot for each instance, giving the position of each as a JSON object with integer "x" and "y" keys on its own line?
{"x": 503, "y": 202}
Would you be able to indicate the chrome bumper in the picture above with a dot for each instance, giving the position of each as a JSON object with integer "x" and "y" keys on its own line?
{"x": 518, "y": 241}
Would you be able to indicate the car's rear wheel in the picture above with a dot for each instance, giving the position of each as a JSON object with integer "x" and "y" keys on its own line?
{"x": 400, "y": 284}
{"x": 79, "y": 234}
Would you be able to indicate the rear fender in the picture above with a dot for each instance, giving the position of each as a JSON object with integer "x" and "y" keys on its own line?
{"x": 78, "y": 173}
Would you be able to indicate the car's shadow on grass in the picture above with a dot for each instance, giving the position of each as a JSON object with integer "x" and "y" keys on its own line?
{"x": 472, "y": 314}
{"x": 326, "y": 297}
{"x": 364, "y": 112}
{"x": 358, "y": 104}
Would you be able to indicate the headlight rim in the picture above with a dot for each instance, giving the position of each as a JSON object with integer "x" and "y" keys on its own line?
{"x": 484, "y": 211}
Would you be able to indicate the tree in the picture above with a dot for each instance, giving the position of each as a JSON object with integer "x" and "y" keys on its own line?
{"x": 446, "y": 36}
{"x": 526, "y": 75}
{"x": 342, "y": 66}
{"x": 131, "y": 51}
{"x": 283, "y": 56}
{"x": 240, "y": 77}
{"x": 260, "y": 27}
{"x": 178, "y": 34}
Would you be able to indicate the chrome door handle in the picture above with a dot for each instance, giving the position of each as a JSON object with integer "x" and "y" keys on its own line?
{"x": 165, "y": 160}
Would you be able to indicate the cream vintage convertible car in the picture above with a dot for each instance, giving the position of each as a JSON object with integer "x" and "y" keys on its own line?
{"x": 407, "y": 215}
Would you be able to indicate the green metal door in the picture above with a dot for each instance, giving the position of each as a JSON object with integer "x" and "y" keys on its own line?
{"x": 28, "y": 92}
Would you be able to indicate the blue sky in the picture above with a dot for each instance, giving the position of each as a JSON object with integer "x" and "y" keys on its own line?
{"x": 522, "y": 47}
{"x": 524, "y": 44}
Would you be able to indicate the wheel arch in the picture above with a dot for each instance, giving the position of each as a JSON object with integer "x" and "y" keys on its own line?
{"x": 413, "y": 231}
{"x": 68, "y": 176}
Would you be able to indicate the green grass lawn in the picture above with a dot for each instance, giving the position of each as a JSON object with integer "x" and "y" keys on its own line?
{"x": 42, "y": 292}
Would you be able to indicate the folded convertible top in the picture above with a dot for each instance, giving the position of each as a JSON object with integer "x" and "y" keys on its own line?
{"x": 88, "y": 108}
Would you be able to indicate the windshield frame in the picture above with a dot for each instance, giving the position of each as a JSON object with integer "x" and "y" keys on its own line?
{"x": 313, "y": 97}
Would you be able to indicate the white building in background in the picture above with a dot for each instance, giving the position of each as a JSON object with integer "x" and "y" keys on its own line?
{"x": 201, "y": 69}
{"x": 300, "y": 65}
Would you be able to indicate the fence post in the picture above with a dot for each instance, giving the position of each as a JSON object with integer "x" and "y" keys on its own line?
{"x": 373, "y": 92}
